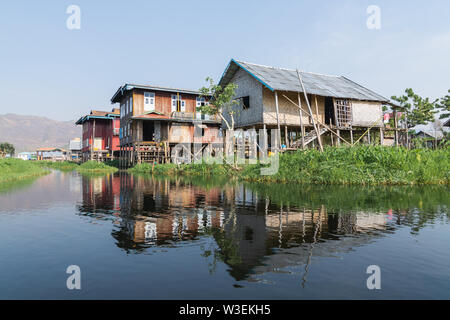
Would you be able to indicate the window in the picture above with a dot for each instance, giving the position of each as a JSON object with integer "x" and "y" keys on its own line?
{"x": 98, "y": 142}
{"x": 149, "y": 101}
{"x": 344, "y": 112}
{"x": 245, "y": 102}
{"x": 131, "y": 105}
{"x": 178, "y": 105}
{"x": 201, "y": 101}
{"x": 174, "y": 102}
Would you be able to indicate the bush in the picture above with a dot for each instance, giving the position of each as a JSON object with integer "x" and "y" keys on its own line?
{"x": 60, "y": 165}
{"x": 16, "y": 169}
{"x": 94, "y": 166}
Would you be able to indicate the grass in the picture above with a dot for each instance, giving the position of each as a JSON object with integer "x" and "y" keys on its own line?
{"x": 59, "y": 165}
{"x": 16, "y": 169}
{"x": 359, "y": 165}
{"x": 95, "y": 167}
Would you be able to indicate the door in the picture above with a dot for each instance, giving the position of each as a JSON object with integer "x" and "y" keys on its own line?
{"x": 148, "y": 131}
{"x": 329, "y": 111}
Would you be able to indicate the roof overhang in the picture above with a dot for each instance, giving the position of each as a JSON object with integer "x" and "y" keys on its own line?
{"x": 127, "y": 87}
{"x": 232, "y": 68}
{"x": 89, "y": 117}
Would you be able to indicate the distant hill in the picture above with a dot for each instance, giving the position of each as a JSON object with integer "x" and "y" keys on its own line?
{"x": 27, "y": 133}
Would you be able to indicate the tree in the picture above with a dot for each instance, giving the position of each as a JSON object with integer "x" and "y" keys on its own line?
{"x": 221, "y": 102}
{"x": 418, "y": 110}
{"x": 444, "y": 105}
{"x": 7, "y": 148}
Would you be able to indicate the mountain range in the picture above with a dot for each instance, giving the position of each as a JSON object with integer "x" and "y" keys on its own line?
{"x": 27, "y": 133}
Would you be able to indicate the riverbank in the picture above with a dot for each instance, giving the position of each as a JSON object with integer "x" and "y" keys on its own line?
{"x": 16, "y": 169}
{"x": 58, "y": 165}
{"x": 360, "y": 165}
{"x": 86, "y": 167}
{"x": 95, "y": 167}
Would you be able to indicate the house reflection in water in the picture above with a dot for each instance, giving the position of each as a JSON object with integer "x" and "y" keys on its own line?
{"x": 159, "y": 212}
{"x": 101, "y": 195}
{"x": 252, "y": 233}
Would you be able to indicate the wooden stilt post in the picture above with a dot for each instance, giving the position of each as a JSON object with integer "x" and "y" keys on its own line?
{"x": 265, "y": 148}
{"x": 318, "y": 121}
{"x": 286, "y": 136}
{"x": 368, "y": 135}
{"x": 351, "y": 135}
{"x": 302, "y": 128}
{"x": 278, "y": 121}
{"x": 309, "y": 110}
{"x": 395, "y": 128}
{"x": 331, "y": 136}
{"x": 338, "y": 142}
{"x": 381, "y": 136}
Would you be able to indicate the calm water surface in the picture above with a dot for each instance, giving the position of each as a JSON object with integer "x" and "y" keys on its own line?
{"x": 153, "y": 238}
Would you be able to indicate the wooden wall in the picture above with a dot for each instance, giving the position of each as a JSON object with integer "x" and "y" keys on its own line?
{"x": 289, "y": 113}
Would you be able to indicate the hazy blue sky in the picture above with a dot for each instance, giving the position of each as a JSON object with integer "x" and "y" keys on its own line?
{"x": 47, "y": 69}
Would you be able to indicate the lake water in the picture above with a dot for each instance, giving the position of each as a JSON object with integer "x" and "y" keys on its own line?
{"x": 137, "y": 237}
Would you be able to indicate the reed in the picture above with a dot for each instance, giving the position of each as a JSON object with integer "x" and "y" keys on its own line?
{"x": 16, "y": 169}
{"x": 359, "y": 165}
{"x": 94, "y": 166}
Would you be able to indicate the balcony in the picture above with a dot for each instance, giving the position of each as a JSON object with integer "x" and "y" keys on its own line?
{"x": 182, "y": 115}
{"x": 192, "y": 116}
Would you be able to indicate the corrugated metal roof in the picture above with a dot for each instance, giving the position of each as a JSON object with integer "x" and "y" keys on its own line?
{"x": 287, "y": 80}
{"x": 96, "y": 114}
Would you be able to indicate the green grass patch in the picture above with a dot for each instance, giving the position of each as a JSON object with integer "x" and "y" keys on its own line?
{"x": 359, "y": 165}
{"x": 59, "y": 165}
{"x": 16, "y": 169}
{"x": 184, "y": 169}
{"x": 95, "y": 167}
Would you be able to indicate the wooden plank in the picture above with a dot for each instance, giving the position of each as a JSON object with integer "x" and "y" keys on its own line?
{"x": 302, "y": 128}
{"x": 278, "y": 121}
{"x": 309, "y": 109}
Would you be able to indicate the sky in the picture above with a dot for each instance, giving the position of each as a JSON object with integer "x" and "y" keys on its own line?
{"x": 49, "y": 70}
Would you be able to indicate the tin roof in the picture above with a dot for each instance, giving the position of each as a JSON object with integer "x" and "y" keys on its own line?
{"x": 95, "y": 114}
{"x": 287, "y": 80}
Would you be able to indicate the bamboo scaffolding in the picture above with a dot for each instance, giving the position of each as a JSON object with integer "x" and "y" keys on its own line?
{"x": 318, "y": 121}
{"x": 310, "y": 111}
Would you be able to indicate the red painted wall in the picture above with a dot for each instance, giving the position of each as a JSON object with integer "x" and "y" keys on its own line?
{"x": 104, "y": 128}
